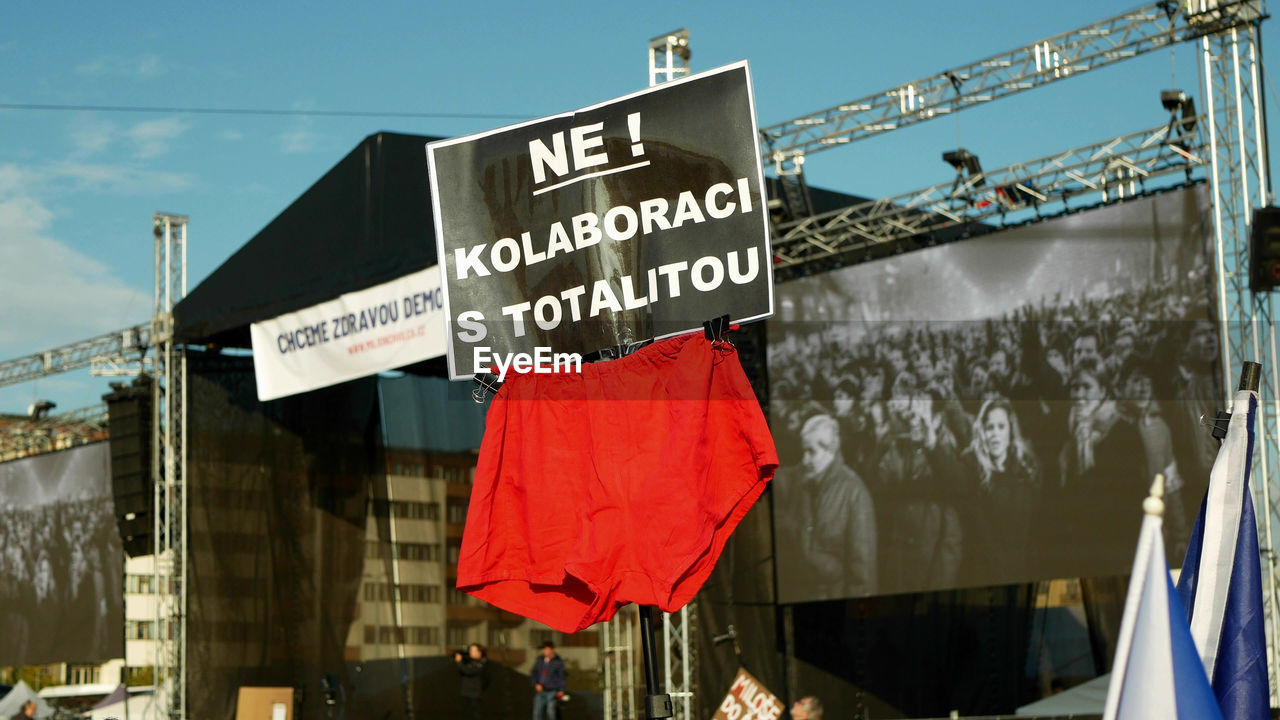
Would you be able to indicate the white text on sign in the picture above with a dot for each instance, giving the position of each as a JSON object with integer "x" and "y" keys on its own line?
{"x": 585, "y": 150}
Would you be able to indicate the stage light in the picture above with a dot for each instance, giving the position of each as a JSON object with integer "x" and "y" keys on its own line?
{"x": 1172, "y": 99}
{"x": 964, "y": 162}
{"x": 1178, "y": 103}
{"x": 40, "y": 409}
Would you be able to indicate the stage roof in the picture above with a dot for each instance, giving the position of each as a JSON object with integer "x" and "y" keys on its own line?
{"x": 366, "y": 221}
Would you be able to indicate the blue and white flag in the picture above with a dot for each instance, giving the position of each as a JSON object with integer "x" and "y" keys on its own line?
{"x": 1157, "y": 672}
{"x": 1221, "y": 581}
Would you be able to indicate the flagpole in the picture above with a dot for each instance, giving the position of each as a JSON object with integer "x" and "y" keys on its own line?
{"x": 1251, "y": 380}
{"x": 1152, "y": 521}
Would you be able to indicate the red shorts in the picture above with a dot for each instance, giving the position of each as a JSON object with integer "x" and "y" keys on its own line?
{"x": 614, "y": 485}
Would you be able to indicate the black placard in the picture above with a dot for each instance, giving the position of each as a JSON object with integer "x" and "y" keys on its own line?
{"x": 636, "y": 218}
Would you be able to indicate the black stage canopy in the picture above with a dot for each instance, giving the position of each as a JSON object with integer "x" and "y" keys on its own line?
{"x": 366, "y": 221}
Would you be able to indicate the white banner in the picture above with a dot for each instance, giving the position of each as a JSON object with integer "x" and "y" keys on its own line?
{"x": 360, "y": 333}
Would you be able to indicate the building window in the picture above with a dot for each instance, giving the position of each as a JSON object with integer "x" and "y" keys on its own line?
{"x": 139, "y": 629}
{"x": 499, "y": 637}
{"x": 538, "y": 636}
{"x": 458, "y": 637}
{"x": 139, "y": 584}
{"x": 82, "y": 674}
{"x": 454, "y": 549}
{"x": 457, "y": 512}
{"x": 455, "y": 474}
{"x": 423, "y": 635}
{"x": 370, "y": 634}
{"x": 409, "y": 593}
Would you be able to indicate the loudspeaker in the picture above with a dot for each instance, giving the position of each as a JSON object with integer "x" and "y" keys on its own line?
{"x": 1264, "y": 249}
{"x": 129, "y": 424}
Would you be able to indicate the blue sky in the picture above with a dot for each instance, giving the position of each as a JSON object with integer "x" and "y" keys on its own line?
{"x": 78, "y": 187}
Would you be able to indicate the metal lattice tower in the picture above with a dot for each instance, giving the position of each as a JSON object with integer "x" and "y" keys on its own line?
{"x": 678, "y": 669}
{"x": 617, "y": 653}
{"x": 1230, "y": 80}
{"x": 169, "y": 469}
{"x": 669, "y": 57}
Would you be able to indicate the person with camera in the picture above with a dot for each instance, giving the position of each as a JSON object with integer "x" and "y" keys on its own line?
{"x": 471, "y": 666}
{"x": 548, "y": 680}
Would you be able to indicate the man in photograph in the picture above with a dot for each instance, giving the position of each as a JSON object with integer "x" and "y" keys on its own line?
{"x": 829, "y": 544}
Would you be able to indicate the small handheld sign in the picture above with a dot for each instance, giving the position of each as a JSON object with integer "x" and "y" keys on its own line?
{"x": 641, "y": 216}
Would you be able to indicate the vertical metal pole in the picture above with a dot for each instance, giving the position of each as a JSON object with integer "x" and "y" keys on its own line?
{"x": 169, "y": 467}
{"x": 678, "y": 657}
{"x": 1237, "y": 144}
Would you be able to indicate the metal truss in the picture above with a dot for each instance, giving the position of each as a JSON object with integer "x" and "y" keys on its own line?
{"x": 54, "y": 432}
{"x": 1239, "y": 183}
{"x": 617, "y": 653}
{"x": 131, "y": 341}
{"x": 1094, "y": 46}
{"x": 678, "y": 651}
{"x": 169, "y": 469}
{"x": 1105, "y": 171}
{"x": 669, "y": 57}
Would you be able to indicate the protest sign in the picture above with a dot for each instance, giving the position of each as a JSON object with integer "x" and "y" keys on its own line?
{"x": 748, "y": 699}
{"x": 637, "y": 218}
{"x": 360, "y": 333}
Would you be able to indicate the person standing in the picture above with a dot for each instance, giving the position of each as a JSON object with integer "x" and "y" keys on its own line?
{"x": 548, "y": 680}
{"x": 28, "y": 711}
{"x": 807, "y": 708}
{"x": 471, "y": 666}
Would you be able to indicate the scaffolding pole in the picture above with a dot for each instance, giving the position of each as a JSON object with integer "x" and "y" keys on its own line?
{"x": 169, "y": 469}
{"x": 1238, "y": 183}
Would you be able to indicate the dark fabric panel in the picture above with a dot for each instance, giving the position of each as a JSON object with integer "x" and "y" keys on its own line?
{"x": 430, "y": 413}
{"x": 277, "y": 523}
{"x": 919, "y": 655}
{"x": 366, "y": 221}
{"x": 435, "y": 693}
{"x": 739, "y": 595}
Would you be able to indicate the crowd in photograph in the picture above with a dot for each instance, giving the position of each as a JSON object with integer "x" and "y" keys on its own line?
{"x": 991, "y": 451}
{"x": 60, "y": 581}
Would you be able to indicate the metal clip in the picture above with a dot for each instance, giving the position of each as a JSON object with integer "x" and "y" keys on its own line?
{"x": 486, "y": 382}
{"x": 1219, "y": 424}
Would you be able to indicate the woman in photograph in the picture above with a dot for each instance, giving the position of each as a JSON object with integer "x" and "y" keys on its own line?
{"x": 1005, "y": 485}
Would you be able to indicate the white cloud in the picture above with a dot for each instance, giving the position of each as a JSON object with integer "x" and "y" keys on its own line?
{"x": 116, "y": 178}
{"x": 231, "y": 135}
{"x": 139, "y": 66}
{"x": 147, "y": 139}
{"x": 151, "y": 138}
{"x": 90, "y": 135}
{"x": 299, "y": 139}
{"x": 53, "y": 293}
